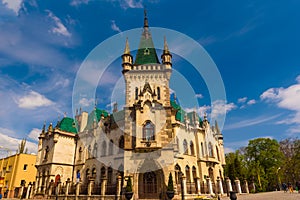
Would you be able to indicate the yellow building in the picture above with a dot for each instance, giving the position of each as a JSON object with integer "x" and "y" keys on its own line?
{"x": 16, "y": 170}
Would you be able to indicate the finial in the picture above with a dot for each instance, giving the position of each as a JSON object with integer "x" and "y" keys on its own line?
{"x": 145, "y": 18}
{"x": 127, "y": 49}
{"x": 217, "y": 127}
{"x": 76, "y": 111}
{"x": 65, "y": 114}
{"x": 96, "y": 102}
{"x": 44, "y": 127}
{"x": 166, "y": 48}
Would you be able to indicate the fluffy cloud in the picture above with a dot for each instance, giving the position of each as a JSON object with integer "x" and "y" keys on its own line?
{"x": 14, "y": 5}
{"x": 33, "y": 100}
{"x": 286, "y": 98}
{"x": 251, "y": 102}
{"x": 34, "y": 134}
{"x": 86, "y": 102}
{"x": 220, "y": 107}
{"x": 114, "y": 26}
{"x": 11, "y": 144}
{"x": 242, "y": 100}
{"x": 59, "y": 28}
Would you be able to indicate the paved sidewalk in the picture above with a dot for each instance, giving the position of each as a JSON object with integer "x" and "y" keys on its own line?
{"x": 278, "y": 195}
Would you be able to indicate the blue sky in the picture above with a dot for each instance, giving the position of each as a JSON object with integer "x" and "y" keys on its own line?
{"x": 255, "y": 45}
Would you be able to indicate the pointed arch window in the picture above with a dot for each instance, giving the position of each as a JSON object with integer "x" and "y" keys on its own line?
{"x": 121, "y": 144}
{"x": 109, "y": 175}
{"x": 202, "y": 149}
{"x": 95, "y": 150}
{"x": 94, "y": 172}
{"x": 192, "y": 148}
{"x": 87, "y": 174}
{"x": 136, "y": 93}
{"x": 194, "y": 173}
{"x": 210, "y": 150}
{"x": 102, "y": 174}
{"x": 80, "y": 153}
{"x": 111, "y": 147}
{"x": 187, "y": 174}
{"x": 177, "y": 173}
{"x": 46, "y": 153}
{"x": 148, "y": 131}
{"x": 158, "y": 93}
{"x": 185, "y": 147}
{"x": 89, "y": 151}
{"x": 103, "y": 152}
{"x": 218, "y": 155}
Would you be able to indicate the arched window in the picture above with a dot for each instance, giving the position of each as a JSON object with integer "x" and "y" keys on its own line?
{"x": 218, "y": 155}
{"x": 87, "y": 174}
{"x": 109, "y": 175}
{"x": 177, "y": 172}
{"x": 136, "y": 93}
{"x": 121, "y": 144}
{"x": 194, "y": 173}
{"x": 94, "y": 172}
{"x": 46, "y": 152}
{"x": 158, "y": 93}
{"x": 103, "y": 152}
{"x": 80, "y": 153}
{"x": 185, "y": 147}
{"x": 95, "y": 150}
{"x": 202, "y": 149}
{"x": 192, "y": 148}
{"x": 89, "y": 151}
{"x": 187, "y": 173}
{"x": 148, "y": 131}
{"x": 111, "y": 147}
{"x": 102, "y": 175}
{"x": 210, "y": 150}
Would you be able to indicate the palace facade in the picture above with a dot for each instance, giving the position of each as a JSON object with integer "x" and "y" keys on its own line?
{"x": 149, "y": 138}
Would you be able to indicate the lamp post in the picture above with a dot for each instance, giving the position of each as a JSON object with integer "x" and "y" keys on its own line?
{"x": 279, "y": 181}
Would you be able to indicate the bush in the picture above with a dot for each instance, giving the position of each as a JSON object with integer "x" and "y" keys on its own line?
{"x": 170, "y": 183}
{"x": 129, "y": 185}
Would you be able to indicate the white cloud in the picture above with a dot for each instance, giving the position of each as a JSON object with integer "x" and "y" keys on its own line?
{"x": 199, "y": 96}
{"x": 250, "y": 122}
{"x": 79, "y": 2}
{"x": 34, "y": 134}
{"x": 14, "y": 5}
{"x": 6, "y": 131}
{"x": 220, "y": 107}
{"x": 86, "y": 102}
{"x": 114, "y": 26}
{"x": 242, "y": 100}
{"x": 131, "y": 4}
{"x": 286, "y": 98}
{"x": 33, "y": 100}
{"x": 12, "y": 144}
{"x": 59, "y": 28}
{"x": 228, "y": 150}
{"x": 251, "y": 102}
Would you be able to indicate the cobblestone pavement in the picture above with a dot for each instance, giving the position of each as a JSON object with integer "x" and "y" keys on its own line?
{"x": 279, "y": 195}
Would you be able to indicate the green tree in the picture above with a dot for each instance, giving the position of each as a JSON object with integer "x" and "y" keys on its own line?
{"x": 22, "y": 148}
{"x": 263, "y": 158}
{"x": 235, "y": 166}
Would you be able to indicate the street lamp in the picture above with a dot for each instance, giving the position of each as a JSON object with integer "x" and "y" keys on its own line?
{"x": 279, "y": 181}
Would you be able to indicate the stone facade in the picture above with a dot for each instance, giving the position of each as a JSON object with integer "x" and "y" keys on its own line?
{"x": 151, "y": 137}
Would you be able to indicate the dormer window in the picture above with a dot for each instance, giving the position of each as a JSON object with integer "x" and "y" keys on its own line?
{"x": 146, "y": 51}
{"x": 148, "y": 131}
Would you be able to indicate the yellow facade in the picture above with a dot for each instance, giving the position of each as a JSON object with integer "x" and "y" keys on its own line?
{"x": 14, "y": 170}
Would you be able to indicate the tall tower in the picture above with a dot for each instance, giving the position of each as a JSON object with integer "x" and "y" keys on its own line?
{"x": 147, "y": 104}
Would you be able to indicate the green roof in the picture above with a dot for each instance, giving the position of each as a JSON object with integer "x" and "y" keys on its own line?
{"x": 181, "y": 113}
{"x": 68, "y": 125}
{"x": 146, "y": 53}
{"x": 95, "y": 115}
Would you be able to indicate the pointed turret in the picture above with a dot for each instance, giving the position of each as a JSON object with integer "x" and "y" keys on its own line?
{"x": 166, "y": 56}
{"x": 146, "y": 53}
{"x": 127, "y": 58}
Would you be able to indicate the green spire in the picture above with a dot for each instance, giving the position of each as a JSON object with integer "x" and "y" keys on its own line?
{"x": 146, "y": 53}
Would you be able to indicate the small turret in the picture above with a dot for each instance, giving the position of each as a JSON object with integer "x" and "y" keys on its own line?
{"x": 127, "y": 58}
{"x": 166, "y": 56}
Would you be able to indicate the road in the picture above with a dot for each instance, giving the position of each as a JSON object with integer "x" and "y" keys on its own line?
{"x": 279, "y": 195}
